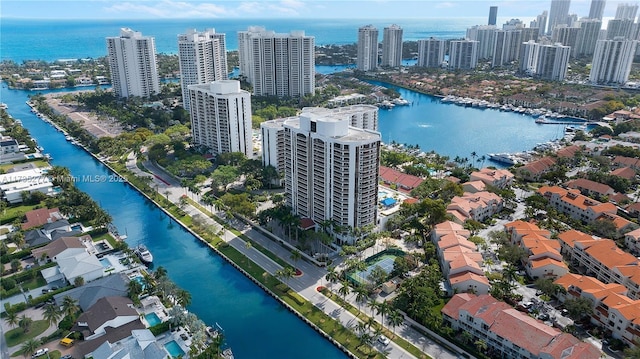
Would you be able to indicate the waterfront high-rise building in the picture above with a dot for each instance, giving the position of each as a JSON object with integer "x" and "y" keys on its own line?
{"x": 493, "y": 15}
{"x": 587, "y": 37}
{"x": 506, "y": 47}
{"x": 463, "y": 54}
{"x": 541, "y": 22}
{"x": 431, "y": 52}
{"x": 330, "y": 168}
{"x": 558, "y": 14}
{"x": 392, "y": 46}
{"x": 275, "y": 64}
{"x": 221, "y": 117}
{"x": 529, "y": 57}
{"x": 203, "y": 59}
{"x": 553, "y": 62}
{"x": 597, "y": 9}
{"x": 530, "y": 33}
{"x": 513, "y": 24}
{"x": 567, "y": 36}
{"x": 620, "y": 28}
{"x": 485, "y": 35}
{"x": 626, "y": 11}
{"x": 132, "y": 61}
{"x": 367, "y": 57}
{"x": 612, "y": 61}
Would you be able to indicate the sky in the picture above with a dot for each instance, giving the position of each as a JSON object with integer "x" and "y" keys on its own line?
{"x": 304, "y": 9}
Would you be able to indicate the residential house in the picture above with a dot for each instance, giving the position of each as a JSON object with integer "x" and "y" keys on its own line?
{"x": 518, "y": 229}
{"x": 402, "y": 181}
{"x": 569, "y": 151}
{"x": 621, "y": 161}
{"x": 510, "y": 333}
{"x": 141, "y": 344}
{"x": 590, "y": 188}
{"x": 474, "y": 187}
{"x": 83, "y": 265}
{"x": 634, "y": 209}
{"x": 624, "y": 172}
{"x": 64, "y": 247}
{"x": 106, "y": 312}
{"x": 533, "y": 171}
{"x": 544, "y": 259}
{"x": 40, "y": 217}
{"x": 89, "y": 293}
{"x": 492, "y": 177}
{"x": 477, "y": 206}
{"x": 632, "y": 241}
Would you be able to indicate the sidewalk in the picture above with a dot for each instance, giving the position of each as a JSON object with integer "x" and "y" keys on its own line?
{"x": 306, "y": 285}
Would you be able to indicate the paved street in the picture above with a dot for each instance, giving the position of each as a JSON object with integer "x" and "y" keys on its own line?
{"x": 306, "y": 284}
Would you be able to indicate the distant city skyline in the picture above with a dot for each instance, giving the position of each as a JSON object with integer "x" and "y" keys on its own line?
{"x": 197, "y": 9}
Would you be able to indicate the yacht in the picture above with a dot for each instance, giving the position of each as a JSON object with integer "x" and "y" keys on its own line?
{"x": 503, "y": 158}
{"x": 143, "y": 253}
{"x": 4, "y": 106}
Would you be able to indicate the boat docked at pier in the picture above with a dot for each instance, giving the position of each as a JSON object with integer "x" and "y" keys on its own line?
{"x": 143, "y": 253}
{"x": 505, "y": 158}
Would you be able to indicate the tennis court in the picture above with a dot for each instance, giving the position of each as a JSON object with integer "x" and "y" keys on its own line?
{"x": 384, "y": 261}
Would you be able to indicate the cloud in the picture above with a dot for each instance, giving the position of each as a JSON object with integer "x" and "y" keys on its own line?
{"x": 445, "y": 5}
{"x": 167, "y": 9}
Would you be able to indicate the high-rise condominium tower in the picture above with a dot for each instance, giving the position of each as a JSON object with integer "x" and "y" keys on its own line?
{"x": 392, "y": 46}
{"x": 463, "y": 54}
{"x": 203, "y": 59}
{"x": 431, "y": 52}
{"x": 493, "y": 15}
{"x": 132, "y": 61}
{"x": 221, "y": 117}
{"x": 506, "y": 47}
{"x": 330, "y": 167}
{"x": 612, "y": 61}
{"x": 485, "y": 35}
{"x": 275, "y": 64}
{"x": 553, "y": 62}
{"x": 558, "y": 14}
{"x": 597, "y": 9}
{"x": 626, "y": 11}
{"x": 367, "y": 58}
{"x": 589, "y": 33}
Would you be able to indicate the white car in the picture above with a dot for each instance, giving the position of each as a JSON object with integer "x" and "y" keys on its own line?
{"x": 40, "y": 352}
{"x": 383, "y": 340}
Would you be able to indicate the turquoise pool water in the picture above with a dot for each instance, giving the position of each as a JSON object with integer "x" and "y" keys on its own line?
{"x": 174, "y": 349}
{"x": 105, "y": 262}
{"x": 152, "y": 319}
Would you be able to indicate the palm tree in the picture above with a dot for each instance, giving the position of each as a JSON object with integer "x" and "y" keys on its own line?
{"x": 12, "y": 318}
{"x": 248, "y": 246}
{"x": 344, "y": 290}
{"x": 160, "y": 272}
{"x": 295, "y": 256}
{"x": 332, "y": 276}
{"x": 481, "y": 345}
{"x": 183, "y": 297}
{"x": 383, "y": 309}
{"x": 466, "y": 337}
{"x": 285, "y": 274}
{"x": 370, "y": 322}
{"x": 395, "y": 319}
{"x": 52, "y": 313}
{"x": 25, "y": 323}
{"x": 29, "y": 347}
{"x": 372, "y": 304}
{"x": 69, "y": 306}
{"x": 134, "y": 289}
{"x": 361, "y": 295}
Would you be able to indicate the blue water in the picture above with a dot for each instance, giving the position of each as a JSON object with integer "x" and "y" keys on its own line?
{"x": 105, "y": 262}
{"x": 454, "y": 130}
{"x": 256, "y": 326}
{"x": 153, "y": 319}
{"x": 174, "y": 349}
{"x": 50, "y": 40}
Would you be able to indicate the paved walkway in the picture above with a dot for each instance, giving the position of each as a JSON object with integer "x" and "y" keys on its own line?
{"x": 306, "y": 284}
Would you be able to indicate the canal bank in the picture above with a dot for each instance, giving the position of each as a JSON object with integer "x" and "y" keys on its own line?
{"x": 255, "y": 324}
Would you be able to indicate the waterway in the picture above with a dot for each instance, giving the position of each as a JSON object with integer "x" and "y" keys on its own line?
{"x": 256, "y": 325}
{"x": 453, "y": 130}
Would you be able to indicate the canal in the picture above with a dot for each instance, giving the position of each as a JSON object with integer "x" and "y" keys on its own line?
{"x": 256, "y": 326}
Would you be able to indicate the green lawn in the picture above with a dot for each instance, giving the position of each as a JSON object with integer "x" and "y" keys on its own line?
{"x": 106, "y": 236}
{"x": 16, "y": 336}
{"x": 38, "y": 163}
{"x": 11, "y": 213}
{"x": 37, "y": 282}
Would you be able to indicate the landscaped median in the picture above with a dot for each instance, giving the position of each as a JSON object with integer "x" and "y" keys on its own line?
{"x": 334, "y": 331}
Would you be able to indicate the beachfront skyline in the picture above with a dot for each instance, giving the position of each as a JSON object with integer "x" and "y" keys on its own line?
{"x": 365, "y": 9}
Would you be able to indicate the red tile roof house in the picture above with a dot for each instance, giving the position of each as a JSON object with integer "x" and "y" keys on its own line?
{"x": 477, "y": 206}
{"x": 533, "y": 171}
{"x": 491, "y": 177}
{"x": 40, "y": 217}
{"x": 590, "y": 188}
{"x": 403, "y": 181}
{"x": 624, "y": 172}
{"x": 621, "y": 161}
{"x": 509, "y": 333}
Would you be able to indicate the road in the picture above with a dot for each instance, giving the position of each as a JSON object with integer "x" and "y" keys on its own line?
{"x": 306, "y": 284}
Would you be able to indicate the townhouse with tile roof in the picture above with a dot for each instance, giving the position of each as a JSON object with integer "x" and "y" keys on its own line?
{"x": 590, "y": 188}
{"x": 492, "y": 177}
{"x": 474, "y": 186}
{"x": 534, "y": 170}
{"x": 403, "y": 182}
{"x": 624, "y": 172}
{"x": 632, "y": 241}
{"x": 622, "y": 161}
{"x": 477, "y": 206}
{"x": 580, "y": 207}
{"x": 509, "y": 333}
{"x": 460, "y": 261}
{"x": 613, "y": 310}
{"x": 543, "y": 253}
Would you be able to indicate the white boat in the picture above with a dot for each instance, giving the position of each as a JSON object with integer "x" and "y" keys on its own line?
{"x": 503, "y": 158}
{"x": 143, "y": 253}
{"x": 68, "y": 138}
{"x": 4, "y": 106}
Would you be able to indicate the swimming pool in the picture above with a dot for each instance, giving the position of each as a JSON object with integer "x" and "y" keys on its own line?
{"x": 174, "y": 349}
{"x": 105, "y": 262}
{"x": 152, "y": 319}
{"x": 76, "y": 227}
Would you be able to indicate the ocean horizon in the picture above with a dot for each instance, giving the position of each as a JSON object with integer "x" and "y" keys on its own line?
{"x": 51, "y": 40}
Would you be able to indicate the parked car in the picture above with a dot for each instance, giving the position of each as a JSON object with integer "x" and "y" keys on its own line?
{"x": 68, "y": 356}
{"x": 383, "y": 340}
{"x": 40, "y": 352}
